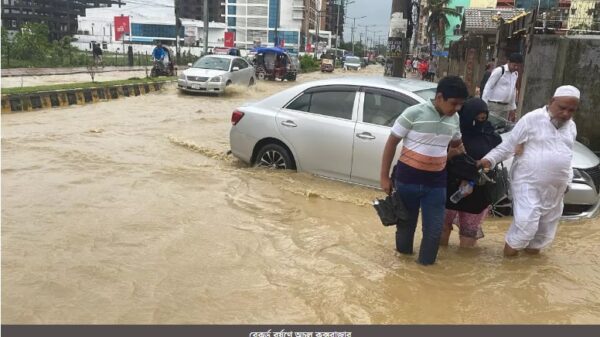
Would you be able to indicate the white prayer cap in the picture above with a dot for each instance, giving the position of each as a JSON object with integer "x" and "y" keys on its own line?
{"x": 567, "y": 91}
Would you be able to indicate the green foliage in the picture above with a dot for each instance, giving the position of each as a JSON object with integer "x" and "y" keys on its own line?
{"x": 308, "y": 63}
{"x": 438, "y": 19}
{"x": 31, "y": 48}
{"x": 31, "y": 42}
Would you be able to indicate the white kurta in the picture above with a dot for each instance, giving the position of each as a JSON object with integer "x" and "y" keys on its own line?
{"x": 539, "y": 177}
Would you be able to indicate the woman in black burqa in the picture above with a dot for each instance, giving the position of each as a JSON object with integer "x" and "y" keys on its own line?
{"x": 479, "y": 137}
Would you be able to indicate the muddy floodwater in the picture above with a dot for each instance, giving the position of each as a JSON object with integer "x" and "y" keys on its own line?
{"x": 130, "y": 211}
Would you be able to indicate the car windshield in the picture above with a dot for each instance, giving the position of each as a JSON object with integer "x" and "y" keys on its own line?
{"x": 500, "y": 124}
{"x": 352, "y": 59}
{"x": 216, "y": 63}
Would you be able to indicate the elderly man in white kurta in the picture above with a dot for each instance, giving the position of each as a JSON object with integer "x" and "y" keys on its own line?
{"x": 541, "y": 174}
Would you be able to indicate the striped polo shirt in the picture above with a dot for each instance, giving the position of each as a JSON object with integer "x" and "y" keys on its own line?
{"x": 426, "y": 135}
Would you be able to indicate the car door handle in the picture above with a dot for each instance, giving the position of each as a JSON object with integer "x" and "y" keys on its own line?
{"x": 289, "y": 123}
{"x": 365, "y": 135}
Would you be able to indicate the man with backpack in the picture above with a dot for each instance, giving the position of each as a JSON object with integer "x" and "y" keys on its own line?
{"x": 500, "y": 92}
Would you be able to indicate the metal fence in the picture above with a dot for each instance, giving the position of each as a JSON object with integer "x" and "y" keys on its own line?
{"x": 77, "y": 58}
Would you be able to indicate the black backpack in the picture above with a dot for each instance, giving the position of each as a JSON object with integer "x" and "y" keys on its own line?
{"x": 485, "y": 78}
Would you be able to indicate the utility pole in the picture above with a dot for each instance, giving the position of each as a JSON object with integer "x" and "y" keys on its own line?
{"x": 398, "y": 40}
{"x": 177, "y": 29}
{"x": 353, "y": 28}
{"x": 337, "y": 32}
{"x": 276, "y": 39}
{"x": 205, "y": 16}
{"x": 317, "y": 24}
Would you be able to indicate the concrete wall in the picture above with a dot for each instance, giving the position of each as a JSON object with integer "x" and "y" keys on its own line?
{"x": 467, "y": 59}
{"x": 566, "y": 60}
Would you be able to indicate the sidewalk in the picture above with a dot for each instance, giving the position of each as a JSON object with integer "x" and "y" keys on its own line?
{"x": 11, "y": 72}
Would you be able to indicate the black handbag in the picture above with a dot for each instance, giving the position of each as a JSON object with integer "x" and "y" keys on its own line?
{"x": 391, "y": 210}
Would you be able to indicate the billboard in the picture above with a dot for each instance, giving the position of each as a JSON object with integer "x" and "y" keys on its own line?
{"x": 229, "y": 39}
{"x": 121, "y": 26}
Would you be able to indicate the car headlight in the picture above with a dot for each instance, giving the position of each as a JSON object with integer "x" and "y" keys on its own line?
{"x": 216, "y": 79}
{"x": 580, "y": 176}
{"x": 182, "y": 76}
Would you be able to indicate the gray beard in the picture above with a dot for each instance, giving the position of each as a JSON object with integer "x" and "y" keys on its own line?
{"x": 557, "y": 122}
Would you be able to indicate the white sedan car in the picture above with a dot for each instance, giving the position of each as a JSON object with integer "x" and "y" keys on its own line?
{"x": 212, "y": 73}
{"x": 338, "y": 128}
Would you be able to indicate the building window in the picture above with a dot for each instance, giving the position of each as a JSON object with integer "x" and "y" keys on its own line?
{"x": 231, "y": 22}
{"x": 459, "y": 9}
{"x": 273, "y": 11}
{"x": 231, "y": 10}
{"x": 457, "y": 30}
{"x": 13, "y": 23}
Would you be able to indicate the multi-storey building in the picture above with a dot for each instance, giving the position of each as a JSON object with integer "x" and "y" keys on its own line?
{"x": 59, "y": 15}
{"x": 194, "y": 9}
{"x": 262, "y": 22}
{"x": 332, "y": 22}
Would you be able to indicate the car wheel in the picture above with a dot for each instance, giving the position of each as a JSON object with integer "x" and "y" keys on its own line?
{"x": 274, "y": 156}
{"x": 251, "y": 82}
{"x": 228, "y": 83}
{"x": 502, "y": 207}
{"x": 261, "y": 73}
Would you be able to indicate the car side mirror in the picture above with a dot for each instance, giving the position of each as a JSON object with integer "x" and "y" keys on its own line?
{"x": 189, "y": 64}
{"x": 235, "y": 69}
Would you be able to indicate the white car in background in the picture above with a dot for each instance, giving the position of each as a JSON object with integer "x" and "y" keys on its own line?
{"x": 352, "y": 63}
{"x": 338, "y": 128}
{"x": 213, "y": 73}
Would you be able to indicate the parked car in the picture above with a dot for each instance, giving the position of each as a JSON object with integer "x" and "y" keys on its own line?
{"x": 352, "y": 63}
{"x": 212, "y": 73}
{"x": 337, "y": 129}
{"x": 274, "y": 63}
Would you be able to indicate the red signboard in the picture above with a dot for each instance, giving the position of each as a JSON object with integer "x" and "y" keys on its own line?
{"x": 229, "y": 39}
{"x": 121, "y": 26}
{"x": 308, "y": 48}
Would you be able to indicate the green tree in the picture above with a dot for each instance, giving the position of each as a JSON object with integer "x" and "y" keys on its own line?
{"x": 438, "y": 19}
{"x": 31, "y": 42}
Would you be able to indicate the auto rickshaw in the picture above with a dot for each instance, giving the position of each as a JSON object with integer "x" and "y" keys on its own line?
{"x": 273, "y": 63}
{"x": 327, "y": 63}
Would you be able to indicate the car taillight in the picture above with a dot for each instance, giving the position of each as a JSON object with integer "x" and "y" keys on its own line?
{"x": 236, "y": 116}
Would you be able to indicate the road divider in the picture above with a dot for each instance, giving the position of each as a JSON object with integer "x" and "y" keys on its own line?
{"x": 22, "y": 102}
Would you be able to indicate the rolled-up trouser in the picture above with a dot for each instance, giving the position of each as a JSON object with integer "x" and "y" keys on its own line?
{"x": 537, "y": 211}
{"x": 432, "y": 200}
{"x": 500, "y": 110}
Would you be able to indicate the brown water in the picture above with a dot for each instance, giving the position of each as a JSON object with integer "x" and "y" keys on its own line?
{"x": 130, "y": 211}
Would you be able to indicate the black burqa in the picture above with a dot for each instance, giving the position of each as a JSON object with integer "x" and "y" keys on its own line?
{"x": 479, "y": 138}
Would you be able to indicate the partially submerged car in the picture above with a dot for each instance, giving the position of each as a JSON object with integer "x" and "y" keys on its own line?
{"x": 338, "y": 128}
{"x": 213, "y": 73}
{"x": 273, "y": 63}
{"x": 352, "y": 63}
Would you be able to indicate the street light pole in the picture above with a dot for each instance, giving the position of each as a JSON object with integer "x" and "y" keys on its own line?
{"x": 205, "y": 16}
{"x": 337, "y": 25}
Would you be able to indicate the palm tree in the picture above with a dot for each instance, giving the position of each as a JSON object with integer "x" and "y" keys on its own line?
{"x": 438, "y": 19}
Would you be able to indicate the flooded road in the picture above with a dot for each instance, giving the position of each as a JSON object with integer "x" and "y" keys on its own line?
{"x": 130, "y": 211}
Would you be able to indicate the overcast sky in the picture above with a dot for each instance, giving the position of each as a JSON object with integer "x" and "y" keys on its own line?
{"x": 377, "y": 14}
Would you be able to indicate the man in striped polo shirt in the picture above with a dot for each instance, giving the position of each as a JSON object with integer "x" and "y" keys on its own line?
{"x": 420, "y": 177}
